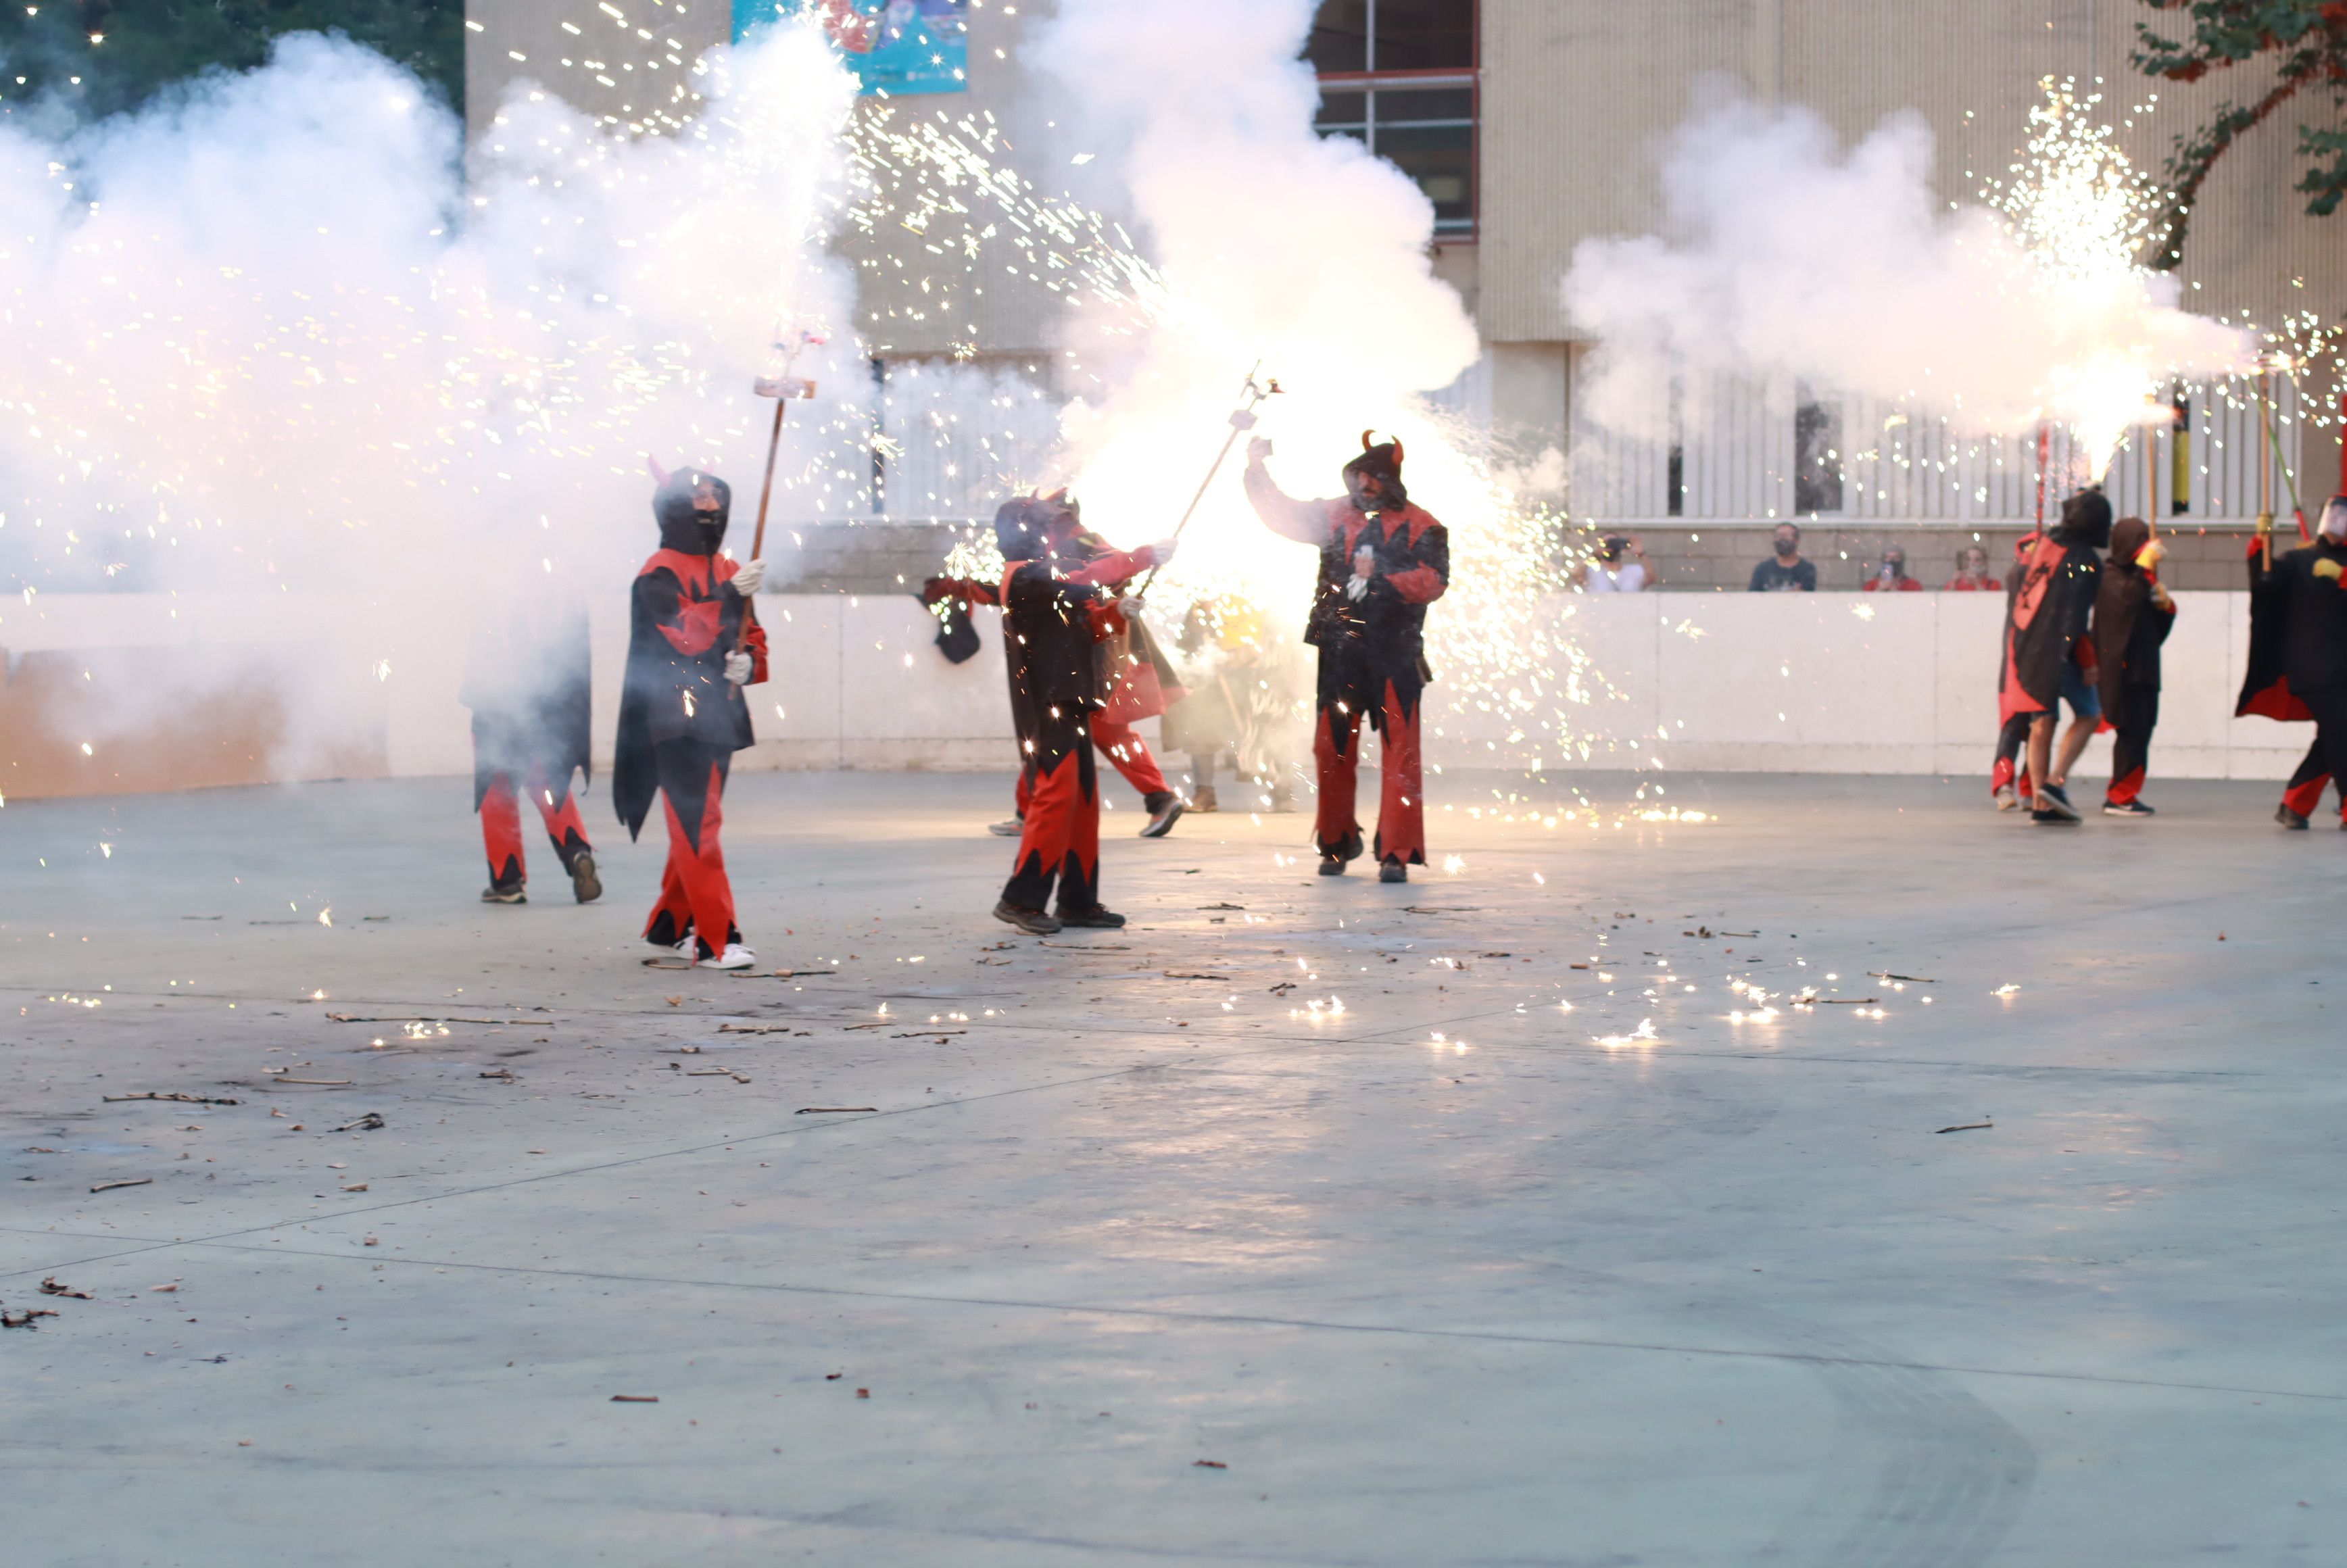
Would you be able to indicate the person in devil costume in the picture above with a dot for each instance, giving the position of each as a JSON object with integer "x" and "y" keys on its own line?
{"x": 1382, "y": 562}
{"x": 1128, "y": 693}
{"x": 1050, "y": 603}
{"x": 693, "y": 644}
{"x": 2132, "y": 616}
{"x": 2298, "y": 654}
{"x": 528, "y": 686}
{"x": 2047, "y": 648}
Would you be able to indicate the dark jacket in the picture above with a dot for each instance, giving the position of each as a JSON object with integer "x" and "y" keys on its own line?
{"x": 1385, "y": 628}
{"x": 528, "y": 686}
{"x": 2298, "y": 629}
{"x": 2130, "y": 622}
{"x": 2052, "y": 605}
{"x": 685, "y": 617}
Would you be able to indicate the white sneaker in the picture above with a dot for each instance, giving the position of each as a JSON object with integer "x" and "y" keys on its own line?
{"x": 734, "y": 957}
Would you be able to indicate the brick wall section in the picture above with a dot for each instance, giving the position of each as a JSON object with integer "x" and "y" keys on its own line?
{"x": 1714, "y": 558}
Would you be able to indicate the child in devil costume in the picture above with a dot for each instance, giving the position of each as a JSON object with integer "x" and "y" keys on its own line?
{"x": 2132, "y": 616}
{"x": 1382, "y": 562}
{"x": 528, "y": 686}
{"x": 1050, "y": 604}
{"x": 693, "y": 644}
{"x": 2298, "y": 654}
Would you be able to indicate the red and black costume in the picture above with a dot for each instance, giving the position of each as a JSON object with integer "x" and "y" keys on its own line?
{"x": 1052, "y": 614}
{"x": 2052, "y": 606}
{"x": 1133, "y": 679}
{"x": 2132, "y": 616}
{"x": 680, "y": 720}
{"x": 528, "y": 686}
{"x": 1371, "y": 642}
{"x": 2298, "y": 655}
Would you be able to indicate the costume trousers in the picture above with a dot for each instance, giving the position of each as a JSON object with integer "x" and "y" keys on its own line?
{"x": 695, "y": 894}
{"x": 2303, "y": 793}
{"x": 1060, "y": 843}
{"x": 2138, "y": 715}
{"x": 1401, "y": 805}
{"x": 2010, "y": 742}
{"x": 2329, "y": 706}
{"x": 1126, "y": 752}
{"x": 501, "y": 824}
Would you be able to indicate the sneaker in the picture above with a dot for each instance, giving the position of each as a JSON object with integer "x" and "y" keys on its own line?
{"x": 1165, "y": 811}
{"x": 1332, "y": 866}
{"x": 1283, "y": 800}
{"x": 1008, "y": 827}
{"x": 734, "y": 957}
{"x": 1034, "y": 922}
{"x": 2126, "y": 808}
{"x": 2053, "y": 806}
{"x": 2007, "y": 797}
{"x": 2282, "y": 815}
{"x": 1099, "y": 916}
{"x": 583, "y": 880}
{"x": 511, "y": 893}
{"x": 1393, "y": 871}
{"x": 1203, "y": 799}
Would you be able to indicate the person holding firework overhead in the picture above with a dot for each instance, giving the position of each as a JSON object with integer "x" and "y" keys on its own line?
{"x": 1382, "y": 562}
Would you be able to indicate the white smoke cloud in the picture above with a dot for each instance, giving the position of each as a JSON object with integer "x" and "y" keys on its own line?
{"x": 1782, "y": 256}
{"x": 263, "y": 335}
{"x": 1273, "y": 243}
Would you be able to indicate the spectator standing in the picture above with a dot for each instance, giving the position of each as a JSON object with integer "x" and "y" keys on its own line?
{"x": 1619, "y": 567}
{"x": 1972, "y": 573}
{"x": 1892, "y": 576}
{"x": 1786, "y": 572}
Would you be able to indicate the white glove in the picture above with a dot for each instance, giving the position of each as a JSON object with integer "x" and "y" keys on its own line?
{"x": 748, "y": 578}
{"x": 1162, "y": 552}
{"x": 737, "y": 668}
{"x": 1356, "y": 589}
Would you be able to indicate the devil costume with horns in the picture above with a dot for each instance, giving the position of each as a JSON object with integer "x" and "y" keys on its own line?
{"x": 693, "y": 644}
{"x": 2298, "y": 654}
{"x": 1382, "y": 562}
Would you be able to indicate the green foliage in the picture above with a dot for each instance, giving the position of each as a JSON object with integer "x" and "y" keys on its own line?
{"x": 2303, "y": 44}
{"x": 124, "y": 51}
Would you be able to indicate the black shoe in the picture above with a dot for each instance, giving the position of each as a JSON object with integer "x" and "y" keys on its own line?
{"x": 1332, "y": 866}
{"x": 583, "y": 880}
{"x": 1099, "y": 918}
{"x": 2126, "y": 808}
{"x": 1393, "y": 871}
{"x": 2053, "y": 806}
{"x": 1165, "y": 811}
{"x": 1034, "y": 922}
{"x": 503, "y": 893}
{"x": 2293, "y": 821}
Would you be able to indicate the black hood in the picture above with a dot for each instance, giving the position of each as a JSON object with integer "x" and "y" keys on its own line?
{"x": 1019, "y": 529}
{"x": 1382, "y": 462}
{"x": 683, "y": 530}
{"x": 2086, "y": 519}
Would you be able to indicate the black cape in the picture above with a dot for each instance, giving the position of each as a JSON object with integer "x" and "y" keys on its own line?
{"x": 2297, "y": 631}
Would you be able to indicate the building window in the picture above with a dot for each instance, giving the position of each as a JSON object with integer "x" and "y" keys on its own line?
{"x": 1399, "y": 76}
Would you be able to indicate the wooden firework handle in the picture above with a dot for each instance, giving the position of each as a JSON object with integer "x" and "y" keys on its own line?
{"x": 1255, "y": 395}
{"x": 758, "y": 540}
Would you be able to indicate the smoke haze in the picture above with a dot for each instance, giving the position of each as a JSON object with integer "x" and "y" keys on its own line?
{"x": 1783, "y": 256}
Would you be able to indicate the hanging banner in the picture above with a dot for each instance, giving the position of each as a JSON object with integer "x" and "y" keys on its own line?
{"x": 894, "y": 47}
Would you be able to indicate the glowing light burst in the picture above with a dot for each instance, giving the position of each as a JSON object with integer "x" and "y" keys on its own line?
{"x": 2083, "y": 214}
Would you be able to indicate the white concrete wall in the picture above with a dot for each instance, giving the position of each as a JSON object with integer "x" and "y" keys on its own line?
{"x": 1797, "y": 683}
